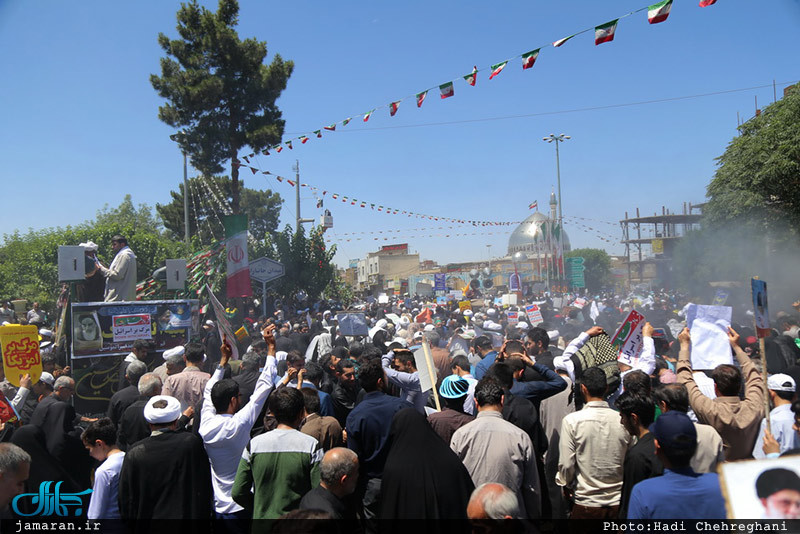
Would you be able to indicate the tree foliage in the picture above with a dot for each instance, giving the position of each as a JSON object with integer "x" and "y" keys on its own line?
{"x": 29, "y": 262}
{"x": 597, "y": 266}
{"x": 207, "y": 200}
{"x": 758, "y": 180}
{"x": 219, "y": 91}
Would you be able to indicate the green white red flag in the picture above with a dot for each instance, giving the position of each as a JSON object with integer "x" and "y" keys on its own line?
{"x": 706, "y": 3}
{"x": 421, "y": 98}
{"x": 472, "y": 77}
{"x": 348, "y": 119}
{"x": 303, "y": 139}
{"x": 318, "y": 132}
{"x": 533, "y": 205}
{"x": 332, "y": 127}
{"x": 393, "y": 108}
{"x": 497, "y": 69}
{"x": 289, "y": 144}
{"x": 659, "y": 12}
{"x": 562, "y": 41}
{"x": 605, "y": 32}
{"x": 447, "y": 90}
{"x": 367, "y": 115}
{"x": 238, "y": 268}
{"x": 278, "y": 149}
{"x": 529, "y": 58}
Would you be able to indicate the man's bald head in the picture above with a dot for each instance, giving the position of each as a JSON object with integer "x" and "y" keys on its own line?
{"x": 493, "y": 501}
{"x": 339, "y": 471}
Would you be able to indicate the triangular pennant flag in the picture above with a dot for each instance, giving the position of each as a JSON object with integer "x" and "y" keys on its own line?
{"x": 421, "y": 98}
{"x": 562, "y": 41}
{"x": 289, "y": 144}
{"x": 332, "y": 127}
{"x": 246, "y": 159}
{"x": 253, "y": 170}
{"x": 319, "y": 203}
{"x": 706, "y": 3}
{"x": 393, "y": 108}
{"x": 266, "y": 173}
{"x": 348, "y": 119}
{"x": 605, "y": 32}
{"x": 363, "y": 204}
{"x": 278, "y": 149}
{"x": 367, "y": 115}
{"x": 447, "y": 90}
{"x": 318, "y": 133}
{"x": 659, "y": 12}
{"x": 497, "y": 69}
{"x": 290, "y": 182}
{"x": 529, "y": 58}
{"x": 473, "y": 76}
{"x": 303, "y": 139}
{"x": 334, "y": 196}
{"x": 279, "y": 178}
{"x": 353, "y": 202}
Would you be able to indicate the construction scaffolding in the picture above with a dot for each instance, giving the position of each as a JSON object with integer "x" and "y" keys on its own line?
{"x": 659, "y": 234}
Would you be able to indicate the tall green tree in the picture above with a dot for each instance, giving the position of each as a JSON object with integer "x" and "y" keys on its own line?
{"x": 307, "y": 260}
{"x": 758, "y": 180}
{"x": 597, "y": 266}
{"x": 219, "y": 91}
{"x": 207, "y": 200}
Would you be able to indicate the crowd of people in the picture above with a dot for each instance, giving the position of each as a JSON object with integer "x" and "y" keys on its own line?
{"x": 519, "y": 421}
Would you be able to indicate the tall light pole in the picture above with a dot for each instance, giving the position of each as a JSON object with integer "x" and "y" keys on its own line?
{"x": 177, "y": 137}
{"x": 559, "y": 139}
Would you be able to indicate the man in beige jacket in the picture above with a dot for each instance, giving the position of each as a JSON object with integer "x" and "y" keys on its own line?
{"x": 736, "y": 420}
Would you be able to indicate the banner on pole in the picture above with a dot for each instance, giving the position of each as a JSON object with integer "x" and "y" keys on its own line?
{"x": 237, "y": 265}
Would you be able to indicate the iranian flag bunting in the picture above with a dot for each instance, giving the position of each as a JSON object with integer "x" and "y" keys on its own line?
{"x": 318, "y": 132}
{"x": 278, "y": 149}
{"x": 472, "y": 77}
{"x": 605, "y": 32}
{"x": 393, "y": 108}
{"x": 367, "y": 115}
{"x": 447, "y": 90}
{"x": 529, "y": 59}
{"x": 562, "y": 41}
{"x": 303, "y": 139}
{"x": 659, "y": 12}
{"x": 253, "y": 170}
{"x": 706, "y": 3}
{"x": 238, "y": 268}
{"x": 332, "y": 127}
{"x": 497, "y": 69}
{"x": 421, "y": 98}
{"x": 289, "y": 144}
{"x": 348, "y": 119}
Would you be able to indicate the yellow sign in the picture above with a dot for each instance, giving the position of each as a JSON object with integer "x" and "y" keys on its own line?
{"x": 20, "y": 346}
{"x": 465, "y": 305}
{"x": 657, "y": 245}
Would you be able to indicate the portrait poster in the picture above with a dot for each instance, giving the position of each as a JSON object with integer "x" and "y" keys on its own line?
{"x": 767, "y": 489}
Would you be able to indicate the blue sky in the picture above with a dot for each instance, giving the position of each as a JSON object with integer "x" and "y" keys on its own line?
{"x": 80, "y": 126}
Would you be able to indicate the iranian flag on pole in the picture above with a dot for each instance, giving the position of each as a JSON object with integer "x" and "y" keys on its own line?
{"x": 393, "y": 108}
{"x": 447, "y": 90}
{"x": 497, "y": 69}
{"x": 529, "y": 59}
{"x": 238, "y": 267}
{"x": 562, "y": 41}
{"x": 605, "y": 32}
{"x": 659, "y": 12}
{"x": 421, "y": 98}
{"x": 472, "y": 77}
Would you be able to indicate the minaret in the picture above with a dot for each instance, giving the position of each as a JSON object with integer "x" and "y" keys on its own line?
{"x": 553, "y": 206}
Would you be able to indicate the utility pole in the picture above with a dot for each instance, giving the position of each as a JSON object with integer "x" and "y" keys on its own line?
{"x": 300, "y": 220}
{"x": 185, "y": 202}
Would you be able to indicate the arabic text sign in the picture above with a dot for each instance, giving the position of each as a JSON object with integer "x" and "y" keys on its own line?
{"x": 513, "y": 317}
{"x": 628, "y": 338}
{"x": 131, "y": 327}
{"x": 264, "y": 269}
{"x": 534, "y": 314}
{"x": 20, "y": 347}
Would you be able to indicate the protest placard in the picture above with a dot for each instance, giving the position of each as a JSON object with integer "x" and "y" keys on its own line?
{"x": 465, "y": 305}
{"x": 223, "y": 325}
{"x": 750, "y": 487}
{"x": 513, "y": 317}
{"x": 628, "y": 338}
{"x": 427, "y": 371}
{"x": 708, "y": 326}
{"x": 534, "y": 314}
{"x": 352, "y": 324}
{"x": 131, "y": 327}
{"x": 760, "y": 307}
{"x": 20, "y": 348}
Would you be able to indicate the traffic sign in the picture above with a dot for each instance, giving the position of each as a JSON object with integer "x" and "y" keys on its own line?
{"x": 265, "y": 270}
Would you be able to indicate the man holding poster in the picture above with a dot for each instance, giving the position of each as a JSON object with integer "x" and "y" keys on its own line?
{"x": 736, "y": 420}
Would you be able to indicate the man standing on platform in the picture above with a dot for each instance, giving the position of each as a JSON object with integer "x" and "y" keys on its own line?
{"x": 121, "y": 275}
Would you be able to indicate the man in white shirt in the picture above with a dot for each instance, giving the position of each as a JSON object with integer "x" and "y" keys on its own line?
{"x": 225, "y": 428}
{"x": 592, "y": 452}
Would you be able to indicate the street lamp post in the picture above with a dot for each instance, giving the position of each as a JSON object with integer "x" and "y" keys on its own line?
{"x": 559, "y": 139}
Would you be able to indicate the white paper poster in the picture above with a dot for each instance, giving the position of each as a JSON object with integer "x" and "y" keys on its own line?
{"x": 708, "y": 326}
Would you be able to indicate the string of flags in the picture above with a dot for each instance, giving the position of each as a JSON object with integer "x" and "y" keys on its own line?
{"x": 603, "y": 33}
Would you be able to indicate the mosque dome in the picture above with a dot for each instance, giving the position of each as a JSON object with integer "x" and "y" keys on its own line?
{"x": 529, "y": 233}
